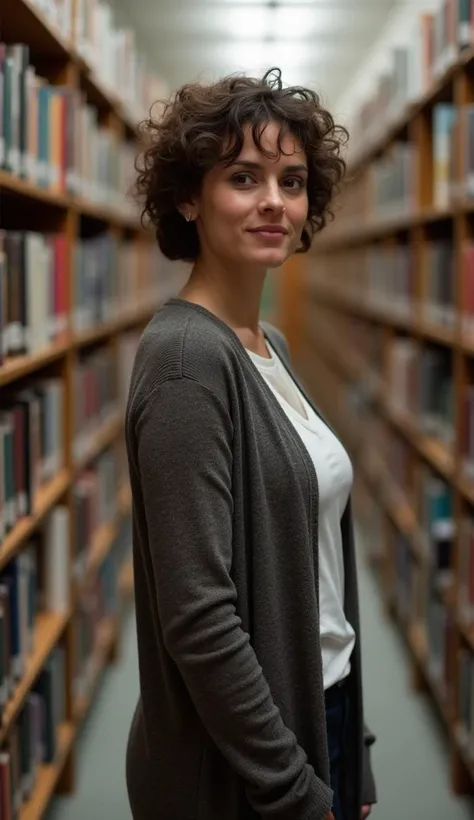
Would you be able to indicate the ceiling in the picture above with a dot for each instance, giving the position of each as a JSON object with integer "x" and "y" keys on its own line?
{"x": 320, "y": 43}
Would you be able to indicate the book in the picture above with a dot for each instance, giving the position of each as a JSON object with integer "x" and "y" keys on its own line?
{"x": 436, "y": 394}
{"x": 94, "y": 496}
{"x": 95, "y": 398}
{"x": 444, "y": 149}
{"x": 33, "y": 301}
{"x": 438, "y": 303}
{"x": 392, "y": 181}
{"x": 31, "y": 446}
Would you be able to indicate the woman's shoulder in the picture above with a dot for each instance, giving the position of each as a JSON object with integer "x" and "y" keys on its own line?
{"x": 182, "y": 342}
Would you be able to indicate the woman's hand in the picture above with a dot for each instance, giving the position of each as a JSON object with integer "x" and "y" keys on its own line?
{"x": 366, "y": 810}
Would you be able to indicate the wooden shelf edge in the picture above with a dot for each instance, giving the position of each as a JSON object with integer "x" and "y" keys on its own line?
{"x": 46, "y": 498}
{"x": 126, "y": 581}
{"x": 48, "y": 775}
{"x": 125, "y": 500}
{"x": 58, "y": 199}
{"x": 18, "y": 367}
{"x": 105, "y": 436}
{"x": 48, "y": 630}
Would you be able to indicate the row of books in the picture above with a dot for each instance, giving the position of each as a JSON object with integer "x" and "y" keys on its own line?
{"x": 40, "y": 302}
{"x": 420, "y": 383}
{"x": 391, "y": 282}
{"x": 94, "y": 503}
{"x": 452, "y": 153}
{"x": 392, "y": 182}
{"x": 435, "y": 41}
{"x": 33, "y": 291}
{"x": 31, "y": 446}
{"x": 99, "y": 600}
{"x": 111, "y": 51}
{"x": 33, "y": 740}
{"x": 33, "y": 582}
{"x": 50, "y": 136}
{"x": 112, "y": 274}
{"x": 95, "y": 395}
{"x": 390, "y": 278}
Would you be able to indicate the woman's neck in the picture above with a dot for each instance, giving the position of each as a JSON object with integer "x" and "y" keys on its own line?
{"x": 233, "y": 296}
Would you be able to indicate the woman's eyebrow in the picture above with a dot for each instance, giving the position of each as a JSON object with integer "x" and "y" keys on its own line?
{"x": 258, "y": 167}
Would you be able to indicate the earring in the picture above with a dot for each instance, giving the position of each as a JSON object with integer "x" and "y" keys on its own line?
{"x": 188, "y": 217}
{"x": 283, "y": 209}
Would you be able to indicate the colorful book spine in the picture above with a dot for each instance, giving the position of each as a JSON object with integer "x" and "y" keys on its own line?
{"x": 95, "y": 396}
{"x": 31, "y": 446}
{"x": 444, "y": 117}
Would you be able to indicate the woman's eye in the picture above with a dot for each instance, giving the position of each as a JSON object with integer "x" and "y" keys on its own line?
{"x": 293, "y": 183}
{"x": 242, "y": 179}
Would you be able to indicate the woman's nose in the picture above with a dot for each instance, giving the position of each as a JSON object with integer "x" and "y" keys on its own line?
{"x": 272, "y": 199}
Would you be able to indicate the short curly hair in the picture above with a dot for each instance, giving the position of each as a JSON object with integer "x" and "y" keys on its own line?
{"x": 203, "y": 125}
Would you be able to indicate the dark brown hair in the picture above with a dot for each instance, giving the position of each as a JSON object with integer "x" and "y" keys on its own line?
{"x": 189, "y": 138}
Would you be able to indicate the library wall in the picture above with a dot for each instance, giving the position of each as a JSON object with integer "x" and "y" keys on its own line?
{"x": 79, "y": 279}
{"x": 387, "y": 346}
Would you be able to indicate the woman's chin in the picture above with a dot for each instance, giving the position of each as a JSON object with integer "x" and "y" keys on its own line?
{"x": 270, "y": 258}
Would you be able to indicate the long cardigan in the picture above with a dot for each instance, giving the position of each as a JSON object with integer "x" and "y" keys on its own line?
{"x": 230, "y": 723}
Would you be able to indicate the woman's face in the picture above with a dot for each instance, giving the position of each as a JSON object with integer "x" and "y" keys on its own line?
{"x": 253, "y": 212}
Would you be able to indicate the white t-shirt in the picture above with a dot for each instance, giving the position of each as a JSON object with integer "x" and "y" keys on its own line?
{"x": 334, "y": 472}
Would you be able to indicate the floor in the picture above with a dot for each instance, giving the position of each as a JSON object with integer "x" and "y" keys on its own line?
{"x": 410, "y": 760}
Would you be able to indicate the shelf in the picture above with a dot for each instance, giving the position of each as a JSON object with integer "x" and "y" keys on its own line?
{"x": 107, "y": 635}
{"x": 103, "y": 438}
{"x": 27, "y": 190}
{"x": 121, "y": 322}
{"x": 48, "y": 775}
{"x": 44, "y": 38}
{"x": 101, "y": 546}
{"x": 47, "y": 41}
{"x": 48, "y": 630}
{"x": 20, "y": 366}
{"x": 125, "y": 500}
{"x": 45, "y": 499}
{"x": 126, "y": 581}
{"x": 360, "y": 232}
{"x": 352, "y": 304}
{"x": 373, "y": 147}
{"x": 24, "y": 188}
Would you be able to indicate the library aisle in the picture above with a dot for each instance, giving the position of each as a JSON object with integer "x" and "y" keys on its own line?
{"x": 410, "y": 761}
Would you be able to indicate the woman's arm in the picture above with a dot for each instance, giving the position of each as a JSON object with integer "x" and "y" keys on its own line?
{"x": 184, "y": 436}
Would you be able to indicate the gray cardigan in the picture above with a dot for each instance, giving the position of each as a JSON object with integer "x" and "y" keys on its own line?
{"x": 230, "y": 723}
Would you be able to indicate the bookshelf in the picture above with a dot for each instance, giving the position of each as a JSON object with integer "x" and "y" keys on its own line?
{"x": 79, "y": 280}
{"x": 384, "y": 338}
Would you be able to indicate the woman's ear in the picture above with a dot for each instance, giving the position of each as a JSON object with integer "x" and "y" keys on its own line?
{"x": 188, "y": 211}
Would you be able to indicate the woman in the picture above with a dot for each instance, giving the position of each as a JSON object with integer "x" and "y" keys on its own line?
{"x": 246, "y": 596}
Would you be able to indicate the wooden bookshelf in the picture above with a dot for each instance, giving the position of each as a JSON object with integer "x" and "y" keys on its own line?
{"x": 107, "y": 636}
{"x": 48, "y": 775}
{"x": 126, "y": 580}
{"x": 75, "y": 217}
{"x": 367, "y": 327}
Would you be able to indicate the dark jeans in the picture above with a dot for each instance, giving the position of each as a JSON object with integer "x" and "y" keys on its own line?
{"x": 337, "y": 705}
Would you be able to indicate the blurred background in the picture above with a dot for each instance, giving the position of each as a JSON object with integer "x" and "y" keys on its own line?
{"x": 380, "y": 320}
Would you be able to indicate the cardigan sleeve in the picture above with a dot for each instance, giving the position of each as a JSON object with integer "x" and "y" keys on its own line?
{"x": 184, "y": 444}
